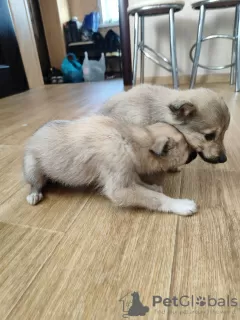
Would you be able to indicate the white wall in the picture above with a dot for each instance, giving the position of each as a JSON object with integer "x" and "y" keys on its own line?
{"x": 214, "y": 52}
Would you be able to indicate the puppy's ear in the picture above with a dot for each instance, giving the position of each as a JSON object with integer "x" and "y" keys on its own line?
{"x": 183, "y": 109}
{"x": 161, "y": 146}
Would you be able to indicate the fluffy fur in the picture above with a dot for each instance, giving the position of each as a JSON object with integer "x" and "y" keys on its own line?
{"x": 196, "y": 113}
{"x": 110, "y": 154}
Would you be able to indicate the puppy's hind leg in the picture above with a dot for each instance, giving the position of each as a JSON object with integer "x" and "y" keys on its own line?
{"x": 139, "y": 196}
{"x": 34, "y": 177}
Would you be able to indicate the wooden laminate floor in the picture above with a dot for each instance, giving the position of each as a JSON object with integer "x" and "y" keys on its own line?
{"x": 76, "y": 256}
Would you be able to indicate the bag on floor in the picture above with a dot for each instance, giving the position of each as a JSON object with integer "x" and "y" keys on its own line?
{"x": 94, "y": 70}
{"x": 72, "y": 69}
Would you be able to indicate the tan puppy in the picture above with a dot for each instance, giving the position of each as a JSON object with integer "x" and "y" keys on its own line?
{"x": 112, "y": 155}
{"x": 200, "y": 114}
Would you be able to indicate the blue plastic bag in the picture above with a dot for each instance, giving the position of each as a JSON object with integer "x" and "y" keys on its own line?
{"x": 72, "y": 69}
{"x": 91, "y": 21}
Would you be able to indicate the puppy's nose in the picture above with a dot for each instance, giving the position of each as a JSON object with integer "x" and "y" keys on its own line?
{"x": 192, "y": 156}
{"x": 222, "y": 157}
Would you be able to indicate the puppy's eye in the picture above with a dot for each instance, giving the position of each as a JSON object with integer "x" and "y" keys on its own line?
{"x": 165, "y": 150}
{"x": 210, "y": 136}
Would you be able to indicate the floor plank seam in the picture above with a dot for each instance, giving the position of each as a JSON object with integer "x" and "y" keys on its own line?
{"x": 33, "y": 279}
{"x": 15, "y": 191}
{"x": 83, "y": 206}
{"x": 173, "y": 263}
{"x": 175, "y": 248}
{"x": 32, "y": 227}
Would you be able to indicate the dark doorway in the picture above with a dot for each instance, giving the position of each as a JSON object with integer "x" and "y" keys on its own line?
{"x": 12, "y": 74}
{"x": 40, "y": 38}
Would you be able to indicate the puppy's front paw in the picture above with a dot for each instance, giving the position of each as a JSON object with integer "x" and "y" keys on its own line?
{"x": 34, "y": 198}
{"x": 182, "y": 207}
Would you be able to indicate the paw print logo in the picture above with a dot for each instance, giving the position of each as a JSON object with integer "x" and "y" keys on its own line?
{"x": 201, "y": 301}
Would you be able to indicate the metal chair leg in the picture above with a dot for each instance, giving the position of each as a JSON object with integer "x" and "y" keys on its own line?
{"x": 142, "y": 55}
{"x": 232, "y": 74}
{"x": 237, "y": 54}
{"x": 136, "y": 44}
{"x": 173, "y": 49}
{"x": 198, "y": 46}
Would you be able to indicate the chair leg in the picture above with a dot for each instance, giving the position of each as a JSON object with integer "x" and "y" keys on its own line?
{"x": 136, "y": 38}
{"x": 237, "y": 53}
{"x": 198, "y": 45}
{"x": 173, "y": 49}
{"x": 232, "y": 74}
{"x": 142, "y": 55}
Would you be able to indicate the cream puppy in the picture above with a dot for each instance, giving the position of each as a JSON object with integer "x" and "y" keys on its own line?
{"x": 200, "y": 114}
{"x": 110, "y": 154}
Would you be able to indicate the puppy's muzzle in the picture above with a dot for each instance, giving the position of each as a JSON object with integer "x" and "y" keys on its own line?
{"x": 192, "y": 156}
{"x": 220, "y": 159}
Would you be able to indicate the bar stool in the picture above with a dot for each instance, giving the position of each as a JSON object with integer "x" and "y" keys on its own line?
{"x": 146, "y": 8}
{"x": 202, "y": 6}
